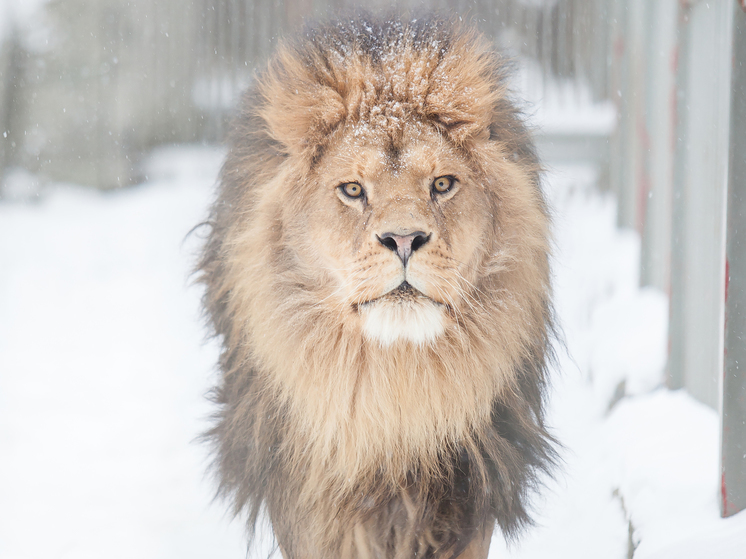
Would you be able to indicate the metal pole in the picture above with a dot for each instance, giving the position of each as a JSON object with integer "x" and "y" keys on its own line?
{"x": 700, "y": 202}
{"x": 733, "y": 410}
{"x": 659, "y": 157}
{"x": 677, "y": 300}
{"x": 631, "y": 93}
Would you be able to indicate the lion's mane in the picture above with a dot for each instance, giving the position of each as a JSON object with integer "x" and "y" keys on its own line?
{"x": 354, "y": 448}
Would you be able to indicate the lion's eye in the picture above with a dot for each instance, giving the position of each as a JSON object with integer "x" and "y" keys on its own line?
{"x": 352, "y": 189}
{"x": 442, "y": 185}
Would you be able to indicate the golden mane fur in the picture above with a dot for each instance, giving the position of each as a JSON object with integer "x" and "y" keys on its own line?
{"x": 378, "y": 409}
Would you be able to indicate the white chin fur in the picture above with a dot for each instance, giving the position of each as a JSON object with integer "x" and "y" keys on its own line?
{"x": 420, "y": 321}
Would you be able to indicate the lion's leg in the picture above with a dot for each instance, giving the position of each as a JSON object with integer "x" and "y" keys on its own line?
{"x": 479, "y": 547}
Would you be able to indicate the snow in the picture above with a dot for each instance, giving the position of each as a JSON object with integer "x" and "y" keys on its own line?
{"x": 104, "y": 365}
{"x": 103, "y": 368}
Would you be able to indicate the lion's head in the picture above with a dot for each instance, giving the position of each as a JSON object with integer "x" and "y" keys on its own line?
{"x": 378, "y": 265}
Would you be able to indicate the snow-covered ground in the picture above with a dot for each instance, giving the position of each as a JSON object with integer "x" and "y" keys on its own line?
{"x": 104, "y": 367}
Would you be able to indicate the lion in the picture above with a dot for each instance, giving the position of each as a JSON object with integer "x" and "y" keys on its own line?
{"x": 377, "y": 269}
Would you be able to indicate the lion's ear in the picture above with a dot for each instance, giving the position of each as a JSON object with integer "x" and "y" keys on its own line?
{"x": 299, "y": 111}
{"x": 463, "y": 93}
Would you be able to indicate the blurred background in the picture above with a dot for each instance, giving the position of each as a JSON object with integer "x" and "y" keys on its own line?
{"x": 90, "y": 87}
{"x": 112, "y": 115}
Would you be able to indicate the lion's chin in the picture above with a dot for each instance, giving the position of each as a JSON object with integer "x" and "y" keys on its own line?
{"x": 416, "y": 320}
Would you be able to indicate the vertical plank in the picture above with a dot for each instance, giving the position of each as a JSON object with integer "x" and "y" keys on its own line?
{"x": 630, "y": 96}
{"x": 733, "y": 410}
{"x": 661, "y": 88}
{"x": 601, "y": 55}
{"x": 698, "y": 335}
{"x": 8, "y": 48}
{"x": 617, "y": 78}
{"x": 677, "y": 300}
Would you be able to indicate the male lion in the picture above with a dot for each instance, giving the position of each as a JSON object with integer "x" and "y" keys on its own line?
{"x": 377, "y": 270}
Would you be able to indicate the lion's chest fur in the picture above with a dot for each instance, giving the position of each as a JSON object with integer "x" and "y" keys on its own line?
{"x": 363, "y": 407}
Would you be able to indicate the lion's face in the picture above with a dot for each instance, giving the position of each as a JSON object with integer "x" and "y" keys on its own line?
{"x": 397, "y": 230}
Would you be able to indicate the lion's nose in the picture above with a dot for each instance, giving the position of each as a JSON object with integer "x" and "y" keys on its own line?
{"x": 404, "y": 245}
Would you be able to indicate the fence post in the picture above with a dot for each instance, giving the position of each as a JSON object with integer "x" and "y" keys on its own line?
{"x": 677, "y": 301}
{"x": 733, "y": 408}
{"x": 659, "y": 122}
{"x": 696, "y": 334}
{"x": 630, "y": 96}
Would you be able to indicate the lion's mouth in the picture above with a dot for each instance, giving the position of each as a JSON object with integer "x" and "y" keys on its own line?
{"x": 403, "y": 293}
